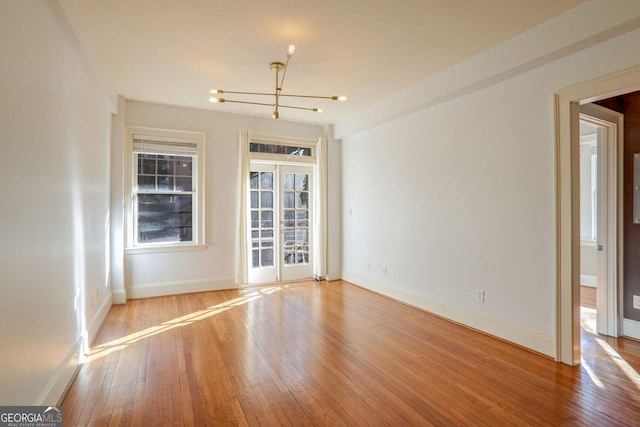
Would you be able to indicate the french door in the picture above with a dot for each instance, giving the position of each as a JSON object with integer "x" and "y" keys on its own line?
{"x": 280, "y": 214}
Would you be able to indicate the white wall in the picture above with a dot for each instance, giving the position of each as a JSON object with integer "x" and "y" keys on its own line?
{"x": 213, "y": 268}
{"x": 334, "y": 207}
{"x": 460, "y": 196}
{"x": 54, "y": 182}
{"x": 588, "y": 263}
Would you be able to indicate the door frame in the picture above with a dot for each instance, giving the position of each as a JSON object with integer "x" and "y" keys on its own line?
{"x": 610, "y": 136}
{"x": 278, "y": 160}
{"x": 567, "y": 110}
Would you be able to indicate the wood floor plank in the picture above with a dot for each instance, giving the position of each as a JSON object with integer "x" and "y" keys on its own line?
{"x": 334, "y": 354}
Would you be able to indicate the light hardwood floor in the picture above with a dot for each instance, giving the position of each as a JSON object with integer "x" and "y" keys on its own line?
{"x": 588, "y": 296}
{"x": 334, "y": 354}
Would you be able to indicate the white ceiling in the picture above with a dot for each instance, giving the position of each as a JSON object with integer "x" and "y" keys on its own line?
{"x": 174, "y": 52}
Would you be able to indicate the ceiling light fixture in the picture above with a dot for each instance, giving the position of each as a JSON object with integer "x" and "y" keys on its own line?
{"x": 277, "y": 67}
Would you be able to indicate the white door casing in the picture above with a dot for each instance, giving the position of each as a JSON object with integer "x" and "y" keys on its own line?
{"x": 567, "y": 110}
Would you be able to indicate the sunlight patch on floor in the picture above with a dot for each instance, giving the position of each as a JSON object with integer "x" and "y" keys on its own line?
{"x": 588, "y": 322}
{"x": 188, "y": 319}
{"x": 588, "y": 319}
{"x": 627, "y": 369}
{"x": 594, "y": 378}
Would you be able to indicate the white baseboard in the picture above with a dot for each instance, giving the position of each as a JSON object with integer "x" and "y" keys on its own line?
{"x": 586, "y": 280}
{"x": 94, "y": 325}
{"x": 54, "y": 390}
{"x": 525, "y": 337}
{"x": 334, "y": 275}
{"x": 119, "y": 296}
{"x": 184, "y": 287}
{"x": 631, "y": 328}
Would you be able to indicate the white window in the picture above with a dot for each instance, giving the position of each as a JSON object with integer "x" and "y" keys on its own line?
{"x": 165, "y": 208}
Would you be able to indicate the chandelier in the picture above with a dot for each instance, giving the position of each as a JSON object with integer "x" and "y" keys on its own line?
{"x": 278, "y": 67}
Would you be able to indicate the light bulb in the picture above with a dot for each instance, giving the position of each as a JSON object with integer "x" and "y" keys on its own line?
{"x": 275, "y": 115}
{"x": 214, "y": 91}
{"x": 318, "y": 110}
{"x": 213, "y": 99}
{"x": 342, "y": 98}
{"x": 291, "y": 49}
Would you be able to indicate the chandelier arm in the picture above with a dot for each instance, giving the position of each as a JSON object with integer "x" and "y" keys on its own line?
{"x": 247, "y": 102}
{"x": 309, "y": 96}
{"x": 298, "y": 108}
{"x": 247, "y": 93}
{"x": 284, "y": 73}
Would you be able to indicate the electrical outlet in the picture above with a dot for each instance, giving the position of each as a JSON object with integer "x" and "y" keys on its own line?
{"x": 384, "y": 270}
{"x": 480, "y": 296}
{"x": 636, "y": 301}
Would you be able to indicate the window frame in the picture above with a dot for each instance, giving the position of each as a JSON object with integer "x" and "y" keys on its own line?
{"x": 130, "y": 178}
{"x": 284, "y": 158}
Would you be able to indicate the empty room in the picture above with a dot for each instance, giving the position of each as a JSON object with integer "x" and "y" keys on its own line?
{"x": 333, "y": 213}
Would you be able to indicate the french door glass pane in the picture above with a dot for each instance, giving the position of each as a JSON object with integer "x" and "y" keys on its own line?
{"x": 266, "y": 199}
{"x": 266, "y": 218}
{"x": 289, "y": 197}
{"x": 266, "y": 180}
{"x": 302, "y": 200}
{"x": 288, "y": 181}
{"x": 289, "y": 218}
{"x": 267, "y": 257}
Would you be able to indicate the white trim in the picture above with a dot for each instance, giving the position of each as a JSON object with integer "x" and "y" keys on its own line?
{"x": 150, "y": 290}
{"x": 56, "y": 387}
{"x": 591, "y": 139}
{"x": 119, "y": 296}
{"x": 525, "y": 337}
{"x": 177, "y": 247}
{"x": 283, "y": 140}
{"x": 567, "y": 141}
{"x": 96, "y": 322}
{"x": 199, "y": 138}
{"x": 63, "y": 376}
{"x": 587, "y": 280}
{"x": 333, "y": 275}
{"x": 631, "y": 329}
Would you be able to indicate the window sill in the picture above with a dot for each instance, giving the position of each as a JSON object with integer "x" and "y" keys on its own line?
{"x": 168, "y": 248}
{"x": 588, "y": 243}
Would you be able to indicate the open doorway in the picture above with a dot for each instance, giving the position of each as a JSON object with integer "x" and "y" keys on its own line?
{"x": 588, "y": 223}
{"x": 569, "y": 106}
{"x": 599, "y": 225}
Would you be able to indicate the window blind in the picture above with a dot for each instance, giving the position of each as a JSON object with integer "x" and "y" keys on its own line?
{"x": 165, "y": 145}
